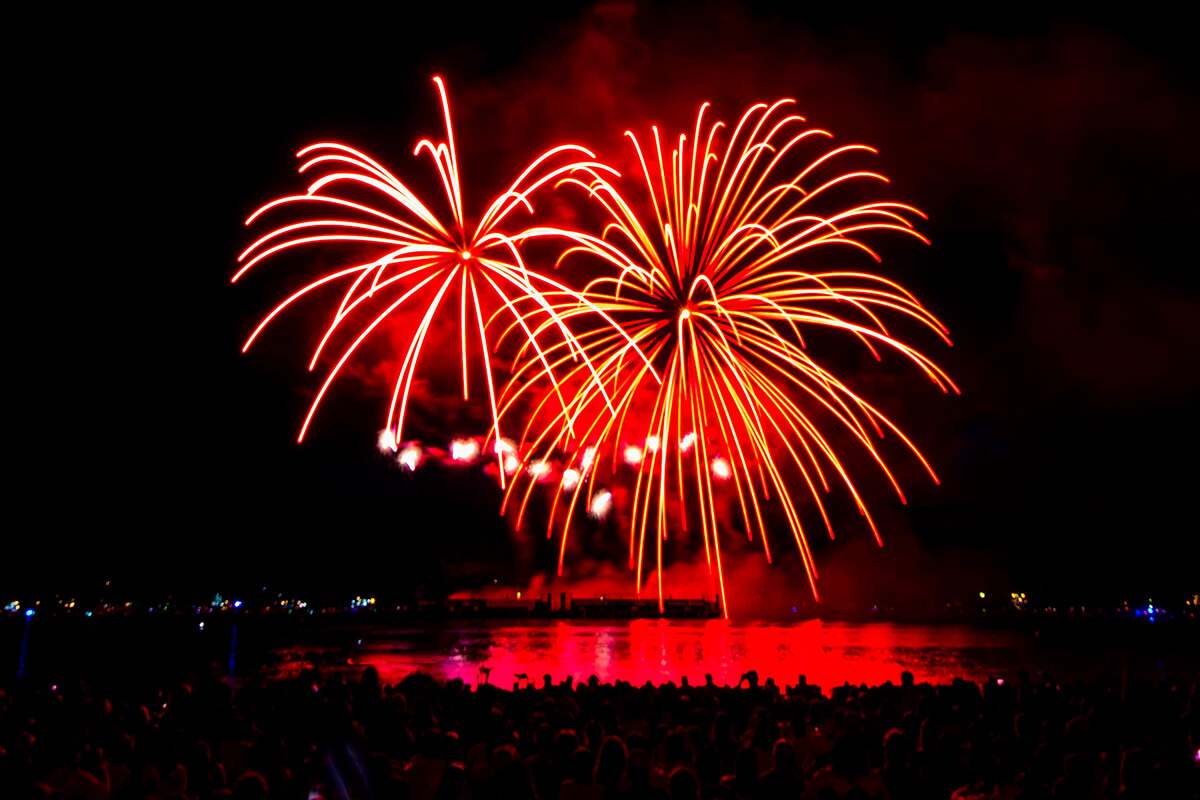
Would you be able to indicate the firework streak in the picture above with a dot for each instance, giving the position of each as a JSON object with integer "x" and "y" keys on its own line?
{"x": 711, "y": 289}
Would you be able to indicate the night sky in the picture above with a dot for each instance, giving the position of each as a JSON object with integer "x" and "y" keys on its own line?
{"x": 1055, "y": 157}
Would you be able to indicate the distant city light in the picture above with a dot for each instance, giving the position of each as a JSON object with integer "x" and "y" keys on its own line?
{"x": 720, "y": 468}
{"x": 589, "y": 455}
{"x": 652, "y": 444}
{"x": 511, "y": 465}
{"x": 633, "y": 455}
{"x": 237, "y": 603}
{"x": 687, "y": 441}
{"x": 29, "y": 612}
{"x": 539, "y": 469}
{"x": 983, "y": 595}
{"x": 387, "y": 441}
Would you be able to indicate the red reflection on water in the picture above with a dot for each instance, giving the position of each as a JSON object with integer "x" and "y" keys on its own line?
{"x": 660, "y": 650}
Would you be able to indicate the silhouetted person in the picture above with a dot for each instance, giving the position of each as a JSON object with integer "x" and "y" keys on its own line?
{"x": 744, "y": 780}
{"x": 637, "y": 773}
{"x": 783, "y": 780}
{"x": 424, "y": 772}
{"x": 451, "y": 785}
{"x": 897, "y": 771}
{"x": 684, "y": 785}
{"x": 849, "y": 771}
{"x": 580, "y": 784}
{"x": 515, "y": 782}
{"x": 250, "y": 786}
{"x": 610, "y": 766}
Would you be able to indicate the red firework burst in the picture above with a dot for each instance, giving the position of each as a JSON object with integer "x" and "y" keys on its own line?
{"x": 416, "y": 257}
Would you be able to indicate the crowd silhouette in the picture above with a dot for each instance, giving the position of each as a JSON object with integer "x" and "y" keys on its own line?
{"x": 337, "y": 737}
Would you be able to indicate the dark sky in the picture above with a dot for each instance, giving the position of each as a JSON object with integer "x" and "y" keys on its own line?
{"x": 1055, "y": 157}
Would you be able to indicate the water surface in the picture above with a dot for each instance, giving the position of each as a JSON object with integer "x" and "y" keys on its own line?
{"x": 148, "y": 651}
{"x": 826, "y": 653}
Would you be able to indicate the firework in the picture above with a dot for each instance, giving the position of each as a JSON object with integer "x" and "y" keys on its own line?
{"x": 464, "y": 450}
{"x": 712, "y": 287}
{"x": 409, "y": 457}
{"x": 417, "y": 257}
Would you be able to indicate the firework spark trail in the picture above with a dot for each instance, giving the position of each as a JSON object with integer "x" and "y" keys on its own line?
{"x": 417, "y": 254}
{"x": 710, "y": 289}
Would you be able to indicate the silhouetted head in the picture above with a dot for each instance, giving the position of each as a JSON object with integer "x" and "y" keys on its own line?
{"x": 251, "y": 786}
{"x": 610, "y": 764}
{"x": 564, "y": 745}
{"x": 896, "y": 748}
{"x": 785, "y": 755}
{"x": 502, "y": 756}
{"x": 452, "y": 783}
{"x": 582, "y": 766}
{"x": 684, "y": 785}
{"x": 677, "y": 746}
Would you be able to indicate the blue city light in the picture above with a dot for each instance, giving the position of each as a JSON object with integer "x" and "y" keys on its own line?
{"x": 29, "y": 612}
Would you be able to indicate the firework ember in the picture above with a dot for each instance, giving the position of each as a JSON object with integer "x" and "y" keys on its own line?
{"x": 463, "y": 450}
{"x": 712, "y": 286}
{"x": 416, "y": 257}
{"x": 410, "y": 457}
